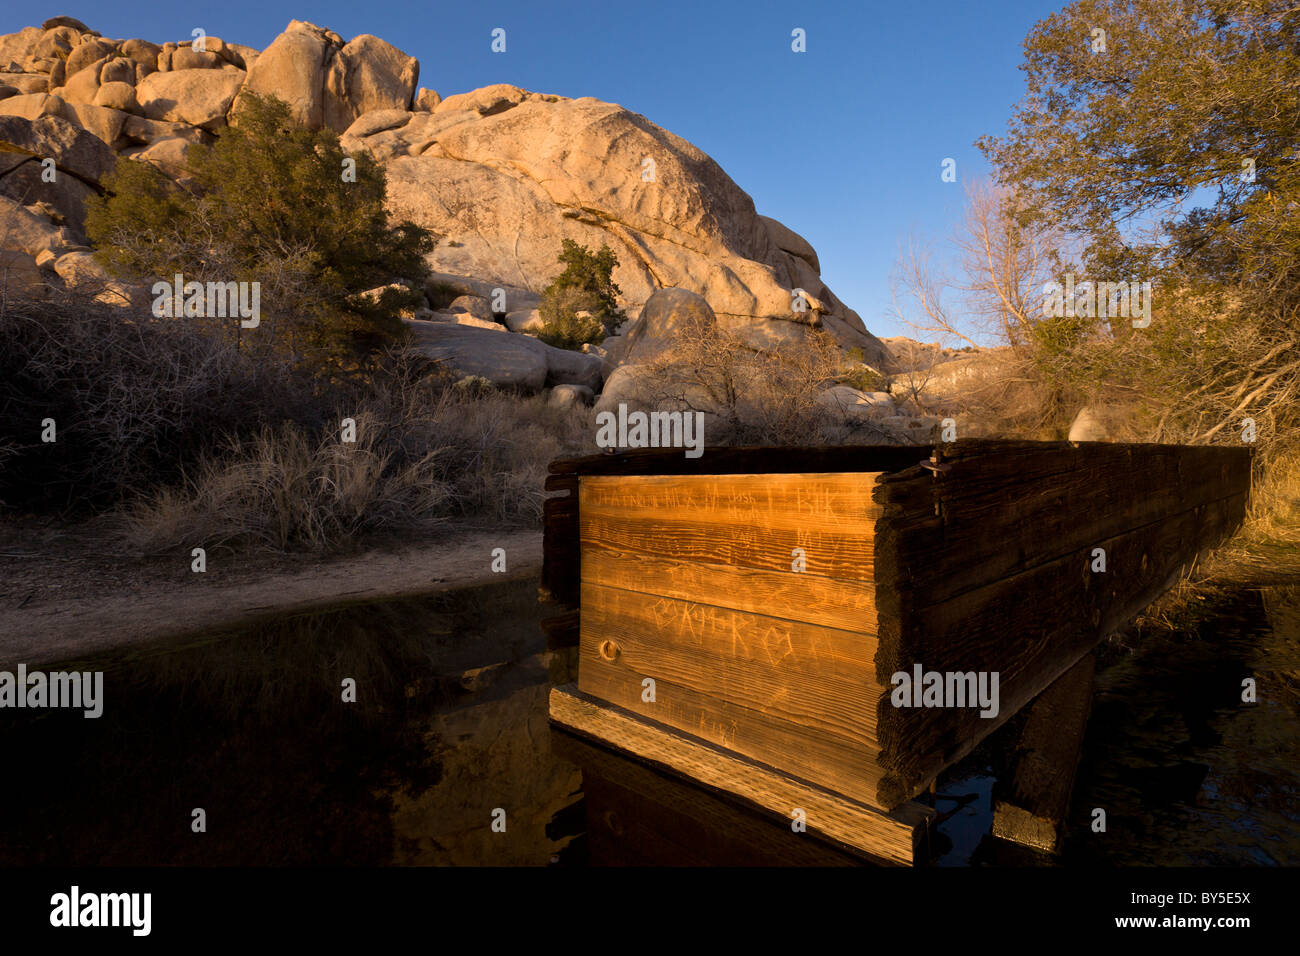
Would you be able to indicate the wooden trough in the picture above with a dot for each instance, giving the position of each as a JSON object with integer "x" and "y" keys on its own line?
{"x": 743, "y": 618}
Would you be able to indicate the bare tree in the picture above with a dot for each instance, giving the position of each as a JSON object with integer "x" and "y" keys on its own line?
{"x": 774, "y": 396}
{"x": 1006, "y": 260}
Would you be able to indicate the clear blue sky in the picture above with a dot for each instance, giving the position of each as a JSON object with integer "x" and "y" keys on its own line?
{"x": 842, "y": 143}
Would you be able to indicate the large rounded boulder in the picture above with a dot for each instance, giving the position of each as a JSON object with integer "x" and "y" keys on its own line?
{"x": 666, "y": 315}
{"x": 327, "y": 82}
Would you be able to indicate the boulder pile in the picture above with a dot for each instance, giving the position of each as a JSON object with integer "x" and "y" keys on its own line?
{"x": 502, "y": 175}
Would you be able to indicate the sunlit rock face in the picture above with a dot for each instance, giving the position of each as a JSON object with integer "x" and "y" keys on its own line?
{"x": 502, "y": 175}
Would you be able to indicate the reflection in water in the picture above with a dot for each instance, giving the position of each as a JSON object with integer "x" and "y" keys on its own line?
{"x": 450, "y": 727}
{"x": 968, "y": 797}
{"x": 251, "y": 727}
{"x": 1188, "y": 773}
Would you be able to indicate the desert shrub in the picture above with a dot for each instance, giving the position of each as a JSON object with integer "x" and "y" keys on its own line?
{"x": 865, "y": 379}
{"x": 426, "y": 451}
{"x": 565, "y": 322}
{"x": 856, "y": 373}
{"x": 191, "y": 437}
{"x": 585, "y": 286}
{"x": 269, "y": 203}
{"x": 1275, "y": 500}
{"x": 285, "y": 487}
{"x": 754, "y": 396}
{"x": 133, "y": 400}
{"x": 495, "y": 449}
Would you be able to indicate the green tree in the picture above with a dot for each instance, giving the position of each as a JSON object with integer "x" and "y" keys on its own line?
{"x": 585, "y": 286}
{"x": 270, "y": 202}
{"x": 1164, "y": 133}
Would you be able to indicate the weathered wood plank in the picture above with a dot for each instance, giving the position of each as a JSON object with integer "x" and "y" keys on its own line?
{"x": 637, "y": 815}
{"x": 802, "y": 502}
{"x": 1030, "y": 628}
{"x": 812, "y": 675}
{"x": 744, "y": 461}
{"x": 561, "y": 553}
{"x": 740, "y": 521}
{"x": 1036, "y": 803}
{"x": 846, "y": 557}
{"x": 995, "y": 511}
{"x": 813, "y": 753}
{"x": 847, "y": 605}
{"x": 896, "y": 838}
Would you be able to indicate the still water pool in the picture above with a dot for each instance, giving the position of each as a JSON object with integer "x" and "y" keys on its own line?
{"x": 449, "y": 729}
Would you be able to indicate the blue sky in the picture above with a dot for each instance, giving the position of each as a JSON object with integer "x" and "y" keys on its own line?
{"x": 842, "y": 143}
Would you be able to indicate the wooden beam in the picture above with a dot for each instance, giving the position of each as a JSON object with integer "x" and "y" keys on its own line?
{"x": 562, "y": 630}
{"x": 743, "y": 461}
{"x": 997, "y": 509}
{"x": 561, "y": 558}
{"x": 1029, "y": 628}
{"x": 1035, "y": 806}
{"x": 640, "y": 816}
{"x": 897, "y": 837}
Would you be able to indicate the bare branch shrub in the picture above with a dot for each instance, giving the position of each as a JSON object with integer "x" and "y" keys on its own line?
{"x": 758, "y": 396}
{"x": 425, "y": 452}
{"x": 132, "y": 398}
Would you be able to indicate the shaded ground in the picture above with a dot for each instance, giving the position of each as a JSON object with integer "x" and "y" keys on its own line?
{"x": 61, "y": 596}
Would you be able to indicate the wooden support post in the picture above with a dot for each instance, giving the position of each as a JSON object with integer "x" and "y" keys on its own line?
{"x": 562, "y": 630}
{"x": 1034, "y": 808}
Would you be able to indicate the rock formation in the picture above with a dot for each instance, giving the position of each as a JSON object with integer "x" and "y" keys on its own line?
{"x": 500, "y": 174}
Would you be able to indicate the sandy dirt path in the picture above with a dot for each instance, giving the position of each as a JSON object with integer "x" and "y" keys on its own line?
{"x": 51, "y": 609}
